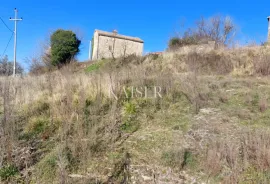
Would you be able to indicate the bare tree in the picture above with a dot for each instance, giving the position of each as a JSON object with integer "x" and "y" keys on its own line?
{"x": 124, "y": 50}
{"x": 218, "y": 28}
{"x": 40, "y": 61}
{"x": 6, "y": 67}
{"x": 112, "y": 48}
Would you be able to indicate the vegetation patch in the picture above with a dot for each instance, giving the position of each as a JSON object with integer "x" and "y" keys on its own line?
{"x": 179, "y": 158}
{"x": 121, "y": 173}
{"x": 47, "y": 167}
{"x": 252, "y": 175}
{"x": 8, "y": 171}
{"x": 129, "y": 119}
{"x": 173, "y": 158}
{"x": 130, "y": 125}
{"x": 93, "y": 67}
{"x": 96, "y": 66}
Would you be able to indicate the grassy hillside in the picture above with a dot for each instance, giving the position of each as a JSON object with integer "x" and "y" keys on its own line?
{"x": 210, "y": 124}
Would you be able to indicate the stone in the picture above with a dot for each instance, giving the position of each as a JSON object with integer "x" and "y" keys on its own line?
{"x": 146, "y": 178}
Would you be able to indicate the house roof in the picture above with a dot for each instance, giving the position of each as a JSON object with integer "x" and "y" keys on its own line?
{"x": 116, "y": 35}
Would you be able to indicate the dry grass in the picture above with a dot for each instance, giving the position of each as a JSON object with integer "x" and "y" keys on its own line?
{"x": 247, "y": 61}
{"x": 232, "y": 160}
{"x": 66, "y": 127}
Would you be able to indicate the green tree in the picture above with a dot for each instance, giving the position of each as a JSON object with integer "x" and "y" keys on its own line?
{"x": 64, "y": 47}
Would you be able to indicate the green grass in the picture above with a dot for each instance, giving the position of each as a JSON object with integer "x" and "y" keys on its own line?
{"x": 8, "y": 171}
{"x": 96, "y": 66}
{"x": 93, "y": 67}
{"x": 252, "y": 175}
{"x": 129, "y": 108}
{"x": 46, "y": 168}
{"x": 130, "y": 125}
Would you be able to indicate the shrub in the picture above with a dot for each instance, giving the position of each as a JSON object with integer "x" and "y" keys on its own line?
{"x": 37, "y": 125}
{"x": 6, "y": 67}
{"x": 262, "y": 64}
{"x": 64, "y": 46}
{"x": 39, "y": 65}
{"x": 176, "y": 42}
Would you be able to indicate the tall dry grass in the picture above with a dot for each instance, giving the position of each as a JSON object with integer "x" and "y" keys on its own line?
{"x": 67, "y": 119}
{"x": 242, "y": 160}
{"x": 77, "y": 115}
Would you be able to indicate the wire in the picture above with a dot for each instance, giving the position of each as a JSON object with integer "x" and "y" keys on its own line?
{"x": 6, "y": 25}
{"x": 3, "y": 55}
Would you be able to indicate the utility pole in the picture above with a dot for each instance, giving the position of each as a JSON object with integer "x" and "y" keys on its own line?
{"x": 15, "y": 40}
{"x": 89, "y": 54}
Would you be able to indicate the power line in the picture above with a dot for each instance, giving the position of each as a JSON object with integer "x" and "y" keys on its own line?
{"x": 6, "y": 25}
{"x": 7, "y": 45}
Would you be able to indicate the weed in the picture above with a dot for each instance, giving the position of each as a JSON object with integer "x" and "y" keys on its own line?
{"x": 37, "y": 125}
{"x": 8, "y": 171}
{"x": 130, "y": 125}
{"x": 129, "y": 108}
{"x": 189, "y": 159}
{"x": 255, "y": 99}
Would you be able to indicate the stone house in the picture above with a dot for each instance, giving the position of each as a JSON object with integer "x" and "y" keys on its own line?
{"x": 114, "y": 45}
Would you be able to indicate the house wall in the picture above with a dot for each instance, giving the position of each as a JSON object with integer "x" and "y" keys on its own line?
{"x": 268, "y": 38}
{"x": 109, "y": 47}
{"x": 95, "y": 47}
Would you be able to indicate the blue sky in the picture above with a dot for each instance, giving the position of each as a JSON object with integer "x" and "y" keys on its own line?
{"x": 153, "y": 21}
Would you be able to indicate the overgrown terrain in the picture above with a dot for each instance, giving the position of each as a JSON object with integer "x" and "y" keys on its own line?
{"x": 210, "y": 124}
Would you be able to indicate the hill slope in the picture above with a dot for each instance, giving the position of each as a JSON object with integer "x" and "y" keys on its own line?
{"x": 209, "y": 122}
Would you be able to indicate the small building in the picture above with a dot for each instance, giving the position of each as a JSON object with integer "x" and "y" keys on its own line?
{"x": 114, "y": 45}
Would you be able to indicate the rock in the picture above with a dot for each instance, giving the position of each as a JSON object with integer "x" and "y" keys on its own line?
{"x": 76, "y": 176}
{"x": 146, "y": 178}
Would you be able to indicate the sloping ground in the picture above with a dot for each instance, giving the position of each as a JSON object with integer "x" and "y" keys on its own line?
{"x": 84, "y": 128}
